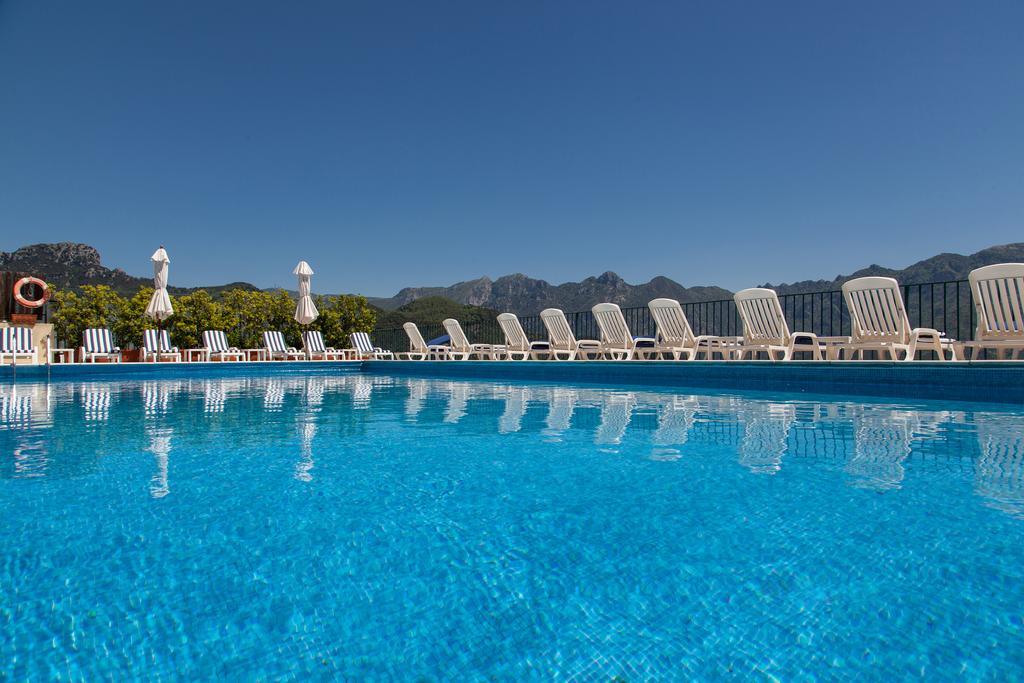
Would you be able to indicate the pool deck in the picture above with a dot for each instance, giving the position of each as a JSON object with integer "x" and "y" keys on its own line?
{"x": 992, "y": 381}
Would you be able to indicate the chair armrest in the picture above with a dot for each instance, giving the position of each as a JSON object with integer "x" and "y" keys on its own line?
{"x": 926, "y": 332}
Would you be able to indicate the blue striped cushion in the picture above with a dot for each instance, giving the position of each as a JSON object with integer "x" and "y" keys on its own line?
{"x": 156, "y": 340}
{"x": 274, "y": 341}
{"x": 16, "y": 339}
{"x": 361, "y": 341}
{"x": 97, "y": 340}
{"x": 314, "y": 341}
{"x": 215, "y": 340}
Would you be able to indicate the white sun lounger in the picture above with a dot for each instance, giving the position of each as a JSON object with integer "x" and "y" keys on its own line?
{"x": 765, "y": 329}
{"x": 676, "y": 337}
{"x": 313, "y": 346}
{"x": 562, "y": 340}
{"x": 878, "y": 321}
{"x": 998, "y": 293}
{"x": 518, "y": 343}
{"x": 215, "y": 345}
{"x": 419, "y": 349}
{"x": 461, "y": 349}
{"x": 156, "y": 344}
{"x": 616, "y": 341}
{"x": 273, "y": 342}
{"x": 365, "y": 349}
{"x": 97, "y": 343}
{"x": 15, "y": 343}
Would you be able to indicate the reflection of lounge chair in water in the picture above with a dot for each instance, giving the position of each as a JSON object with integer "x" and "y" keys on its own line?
{"x": 616, "y": 413}
{"x": 458, "y": 397}
{"x": 273, "y": 395}
{"x": 155, "y": 398}
{"x": 765, "y": 435}
{"x": 303, "y": 468}
{"x": 562, "y": 406}
{"x": 96, "y": 402}
{"x": 15, "y": 406}
{"x": 676, "y": 415}
{"x": 999, "y": 469}
{"x": 160, "y": 447}
{"x": 418, "y": 389}
{"x": 516, "y": 399}
{"x": 882, "y": 442}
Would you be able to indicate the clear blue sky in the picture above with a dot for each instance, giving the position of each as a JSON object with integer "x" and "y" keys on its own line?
{"x": 419, "y": 143}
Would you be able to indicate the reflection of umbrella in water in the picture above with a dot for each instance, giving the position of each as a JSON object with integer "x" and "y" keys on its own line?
{"x": 160, "y": 447}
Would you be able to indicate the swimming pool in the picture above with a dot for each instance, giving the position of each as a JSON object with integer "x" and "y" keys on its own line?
{"x": 377, "y": 527}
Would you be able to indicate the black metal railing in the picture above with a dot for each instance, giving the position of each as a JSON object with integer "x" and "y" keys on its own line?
{"x": 945, "y": 306}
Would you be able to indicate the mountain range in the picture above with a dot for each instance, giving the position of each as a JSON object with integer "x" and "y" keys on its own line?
{"x": 71, "y": 265}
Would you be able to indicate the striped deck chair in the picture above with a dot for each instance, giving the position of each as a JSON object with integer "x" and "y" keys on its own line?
{"x": 313, "y": 346}
{"x": 98, "y": 343}
{"x": 15, "y": 343}
{"x": 157, "y": 344}
{"x": 215, "y": 345}
{"x": 273, "y": 342}
{"x": 365, "y": 349}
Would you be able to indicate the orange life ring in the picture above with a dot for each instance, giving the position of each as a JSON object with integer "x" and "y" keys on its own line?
{"x": 31, "y": 303}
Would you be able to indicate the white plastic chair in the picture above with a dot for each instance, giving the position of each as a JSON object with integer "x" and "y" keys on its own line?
{"x": 156, "y": 344}
{"x": 675, "y": 336}
{"x": 616, "y": 341}
{"x": 998, "y": 293}
{"x": 98, "y": 343}
{"x": 215, "y": 345}
{"x": 518, "y": 344}
{"x": 15, "y": 343}
{"x": 462, "y": 349}
{"x": 562, "y": 341}
{"x": 765, "y": 329}
{"x": 878, "y": 320}
{"x": 273, "y": 342}
{"x": 419, "y": 349}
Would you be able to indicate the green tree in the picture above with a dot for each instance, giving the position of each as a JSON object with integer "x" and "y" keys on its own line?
{"x": 96, "y": 306}
{"x": 132, "y": 319}
{"x": 340, "y": 316}
{"x": 193, "y": 314}
{"x": 247, "y": 315}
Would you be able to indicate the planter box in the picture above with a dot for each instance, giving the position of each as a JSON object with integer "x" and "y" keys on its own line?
{"x": 23, "y": 319}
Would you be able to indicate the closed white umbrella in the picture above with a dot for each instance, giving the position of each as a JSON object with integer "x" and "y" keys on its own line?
{"x": 159, "y": 307}
{"x": 305, "y": 312}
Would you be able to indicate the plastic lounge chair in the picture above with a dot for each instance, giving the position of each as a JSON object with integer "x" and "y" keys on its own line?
{"x": 156, "y": 344}
{"x": 97, "y": 343}
{"x": 562, "y": 341}
{"x": 461, "y": 349}
{"x": 313, "y": 346}
{"x": 273, "y": 342}
{"x": 15, "y": 343}
{"x": 878, "y": 320}
{"x": 419, "y": 349}
{"x": 215, "y": 345}
{"x": 765, "y": 329}
{"x": 365, "y": 349}
{"x": 616, "y": 341}
{"x": 675, "y": 336}
{"x": 998, "y": 293}
{"x": 518, "y": 343}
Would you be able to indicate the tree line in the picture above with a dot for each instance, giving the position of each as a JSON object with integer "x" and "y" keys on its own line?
{"x": 243, "y": 314}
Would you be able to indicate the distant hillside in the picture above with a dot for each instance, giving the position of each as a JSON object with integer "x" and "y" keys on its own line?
{"x": 433, "y": 309}
{"x": 525, "y": 296}
{"x": 939, "y": 268}
{"x": 69, "y": 265}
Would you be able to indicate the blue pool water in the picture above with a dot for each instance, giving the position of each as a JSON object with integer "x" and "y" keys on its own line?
{"x": 371, "y": 527}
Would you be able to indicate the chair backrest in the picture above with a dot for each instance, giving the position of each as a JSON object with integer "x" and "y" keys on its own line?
{"x": 560, "y": 334}
{"x": 313, "y": 341}
{"x": 274, "y": 341}
{"x": 416, "y": 342}
{"x": 762, "y": 316}
{"x": 673, "y": 327}
{"x": 998, "y": 293}
{"x": 16, "y": 339}
{"x": 514, "y": 333}
{"x": 454, "y": 329}
{"x": 361, "y": 341}
{"x": 215, "y": 340}
{"x": 156, "y": 341}
{"x": 876, "y": 310}
{"x": 97, "y": 340}
{"x": 612, "y": 324}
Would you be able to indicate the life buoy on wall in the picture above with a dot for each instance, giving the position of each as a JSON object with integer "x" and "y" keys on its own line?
{"x": 31, "y": 303}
